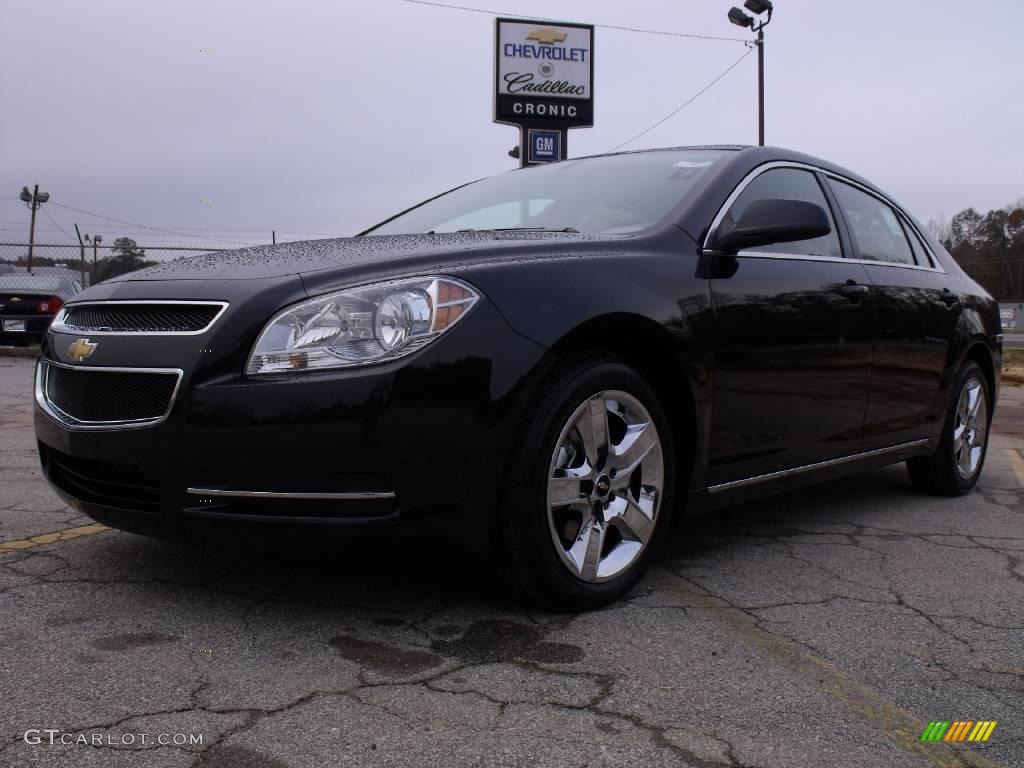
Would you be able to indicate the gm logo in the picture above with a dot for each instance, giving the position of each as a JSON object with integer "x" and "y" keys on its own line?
{"x": 544, "y": 146}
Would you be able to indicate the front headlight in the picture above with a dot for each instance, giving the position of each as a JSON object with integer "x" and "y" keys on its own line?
{"x": 361, "y": 325}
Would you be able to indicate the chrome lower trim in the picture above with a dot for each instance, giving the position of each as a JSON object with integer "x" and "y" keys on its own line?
{"x": 58, "y": 325}
{"x": 68, "y": 421}
{"x": 833, "y": 259}
{"x": 811, "y": 467}
{"x": 295, "y": 496}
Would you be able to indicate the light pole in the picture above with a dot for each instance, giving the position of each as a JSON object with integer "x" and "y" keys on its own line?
{"x": 740, "y": 19}
{"x": 96, "y": 240}
{"x": 81, "y": 251}
{"x": 33, "y": 200}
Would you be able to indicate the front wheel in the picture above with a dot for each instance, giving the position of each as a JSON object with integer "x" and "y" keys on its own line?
{"x": 955, "y": 467}
{"x": 589, "y": 487}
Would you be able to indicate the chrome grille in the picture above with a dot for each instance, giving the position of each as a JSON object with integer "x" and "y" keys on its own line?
{"x": 87, "y": 397}
{"x": 147, "y": 317}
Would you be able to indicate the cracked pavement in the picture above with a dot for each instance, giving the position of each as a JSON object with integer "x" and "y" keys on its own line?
{"x": 823, "y": 627}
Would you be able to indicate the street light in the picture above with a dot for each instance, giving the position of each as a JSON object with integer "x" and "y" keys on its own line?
{"x": 33, "y": 200}
{"x": 740, "y": 19}
{"x": 758, "y": 6}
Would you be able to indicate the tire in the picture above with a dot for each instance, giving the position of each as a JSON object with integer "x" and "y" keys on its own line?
{"x": 593, "y": 549}
{"x": 955, "y": 467}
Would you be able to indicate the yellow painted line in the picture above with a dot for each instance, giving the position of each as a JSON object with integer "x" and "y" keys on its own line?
{"x": 1017, "y": 464}
{"x": 50, "y": 538}
{"x": 958, "y": 731}
{"x": 902, "y": 727}
{"x": 988, "y": 731}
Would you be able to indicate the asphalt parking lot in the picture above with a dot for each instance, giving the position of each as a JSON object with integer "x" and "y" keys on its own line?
{"x": 823, "y": 628}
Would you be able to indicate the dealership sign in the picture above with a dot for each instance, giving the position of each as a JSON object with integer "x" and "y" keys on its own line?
{"x": 543, "y": 80}
{"x": 1008, "y": 315}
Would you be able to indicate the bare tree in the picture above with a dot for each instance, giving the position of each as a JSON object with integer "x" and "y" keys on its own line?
{"x": 938, "y": 228}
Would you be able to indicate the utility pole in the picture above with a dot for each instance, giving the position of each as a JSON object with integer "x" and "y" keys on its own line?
{"x": 33, "y": 200}
{"x": 740, "y": 19}
{"x": 273, "y": 236}
{"x": 81, "y": 252}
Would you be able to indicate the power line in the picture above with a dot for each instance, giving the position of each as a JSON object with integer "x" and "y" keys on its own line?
{"x": 102, "y": 229}
{"x": 39, "y": 225}
{"x": 112, "y": 247}
{"x": 143, "y": 226}
{"x": 58, "y": 226}
{"x": 221, "y": 230}
{"x": 600, "y": 26}
{"x": 188, "y": 229}
{"x": 7, "y": 228}
{"x": 121, "y": 229}
{"x": 685, "y": 104}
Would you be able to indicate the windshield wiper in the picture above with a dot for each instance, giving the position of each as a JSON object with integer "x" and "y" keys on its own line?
{"x": 569, "y": 230}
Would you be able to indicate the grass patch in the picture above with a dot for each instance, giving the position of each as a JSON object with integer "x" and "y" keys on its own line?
{"x": 1013, "y": 366}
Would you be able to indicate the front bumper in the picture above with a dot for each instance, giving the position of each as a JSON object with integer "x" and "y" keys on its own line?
{"x": 420, "y": 437}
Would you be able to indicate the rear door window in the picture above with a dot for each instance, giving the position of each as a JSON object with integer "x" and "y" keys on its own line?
{"x": 874, "y": 225}
{"x": 921, "y": 256}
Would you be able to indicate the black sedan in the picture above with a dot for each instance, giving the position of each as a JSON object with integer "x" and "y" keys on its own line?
{"x": 556, "y": 362}
{"x": 30, "y": 301}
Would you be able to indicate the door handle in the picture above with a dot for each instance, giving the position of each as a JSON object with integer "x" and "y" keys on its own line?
{"x": 854, "y": 291}
{"x": 949, "y": 298}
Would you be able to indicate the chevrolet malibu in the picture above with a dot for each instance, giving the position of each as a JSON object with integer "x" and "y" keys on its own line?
{"x": 555, "y": 362}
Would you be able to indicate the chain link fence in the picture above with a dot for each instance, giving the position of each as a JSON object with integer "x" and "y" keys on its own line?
{"x": 89, "y": 264}
{"x": 61, "y": 270}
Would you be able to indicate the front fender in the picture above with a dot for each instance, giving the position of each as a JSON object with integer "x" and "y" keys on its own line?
{"x": 658, "y": 279}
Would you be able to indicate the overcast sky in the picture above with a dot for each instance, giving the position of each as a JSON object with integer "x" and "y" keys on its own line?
{"x": 326, "y": 116}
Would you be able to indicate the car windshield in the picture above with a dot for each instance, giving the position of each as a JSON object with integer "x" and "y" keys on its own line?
{"x": 613, "y": 194}
{"x": 16, "y": 282}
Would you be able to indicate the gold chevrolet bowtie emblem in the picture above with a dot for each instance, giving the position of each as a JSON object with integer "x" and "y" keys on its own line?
{"x": 547, "y": 35}
{"x": 81, "y": 349}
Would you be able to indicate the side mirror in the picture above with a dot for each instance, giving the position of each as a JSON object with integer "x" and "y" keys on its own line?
{"x": 772, "y": 221}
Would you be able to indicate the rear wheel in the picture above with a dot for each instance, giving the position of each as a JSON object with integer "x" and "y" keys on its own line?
{"x": 955, "y": 467}
{"x": 589, "y": 488}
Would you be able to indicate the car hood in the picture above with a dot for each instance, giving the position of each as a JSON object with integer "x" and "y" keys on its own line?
{"x": 388, "y": 253}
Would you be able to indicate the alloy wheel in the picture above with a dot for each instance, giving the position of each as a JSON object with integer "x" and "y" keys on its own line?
{"x": 970, "y": 426}
{"x": 604, "y": 488}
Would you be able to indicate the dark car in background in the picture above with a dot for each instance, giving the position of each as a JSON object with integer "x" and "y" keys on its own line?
{"x": 30, "y": 301}
{"x": 555, "y": 362}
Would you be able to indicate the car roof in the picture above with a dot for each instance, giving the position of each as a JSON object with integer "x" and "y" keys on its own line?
{"x": 753, "y": 156}
{"x": 694, "y": 214}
